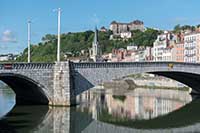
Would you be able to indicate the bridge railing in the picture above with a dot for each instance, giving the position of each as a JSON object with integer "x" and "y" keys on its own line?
{"x": 26, "y": 66}
{"x": 130, "y": 64}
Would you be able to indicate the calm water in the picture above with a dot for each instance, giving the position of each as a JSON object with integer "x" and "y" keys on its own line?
{"x": 107, "y": 111}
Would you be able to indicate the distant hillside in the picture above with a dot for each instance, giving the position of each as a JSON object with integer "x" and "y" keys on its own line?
{"x": 73, "y": 43}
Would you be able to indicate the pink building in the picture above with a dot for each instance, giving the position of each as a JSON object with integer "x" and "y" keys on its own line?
{"x": 122, "y": 55}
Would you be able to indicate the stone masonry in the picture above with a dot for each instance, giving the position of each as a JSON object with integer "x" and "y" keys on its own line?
{"x": 39, "y": 83}
{"x": 59, "y": 83}
{"x": 63, "y": 93}
{"x": 88, "y": 75}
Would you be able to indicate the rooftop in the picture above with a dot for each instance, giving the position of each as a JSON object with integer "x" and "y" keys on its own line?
{"x": 192, "y": 33}
{"x": 136, "y": 22}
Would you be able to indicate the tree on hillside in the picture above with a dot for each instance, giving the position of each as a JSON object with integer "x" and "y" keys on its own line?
{"x": 74, "y": 43}
{"x": 198, "y": 26}
{"x": 145, "y": 38}
{"x": 49, "y": 37}
{"x": 177, "y": 28}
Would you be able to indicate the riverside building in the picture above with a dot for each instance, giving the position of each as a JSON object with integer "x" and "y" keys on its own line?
{"x": 163, "y": 47}
{"x": 192, "y": 47}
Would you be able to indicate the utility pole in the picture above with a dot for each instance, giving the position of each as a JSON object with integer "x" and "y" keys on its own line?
{"x": 29, "y": 41}
{"x": 58, "y": 44}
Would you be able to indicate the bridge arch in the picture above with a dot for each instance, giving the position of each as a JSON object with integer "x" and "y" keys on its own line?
{"x": 190, "y": 79}
{"x": 87, "y": 75}
{"x": 27, "y": 90}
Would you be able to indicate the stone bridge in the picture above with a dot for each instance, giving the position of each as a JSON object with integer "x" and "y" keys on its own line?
{"x": 59, "y": 83}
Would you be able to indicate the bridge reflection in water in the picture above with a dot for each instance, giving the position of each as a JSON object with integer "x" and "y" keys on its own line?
{"x": 139, "y": 110}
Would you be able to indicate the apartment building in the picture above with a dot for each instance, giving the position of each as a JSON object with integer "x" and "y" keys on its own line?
{"x": 179, "y": 52}
{"x": 192, "y": 47}
{"x": 163, "y": 47}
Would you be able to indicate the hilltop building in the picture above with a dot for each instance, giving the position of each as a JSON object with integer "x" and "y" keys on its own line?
{"x": 103, "y": 29}
{"x": 124, "y": 29}
{"x": 95, "y": 52}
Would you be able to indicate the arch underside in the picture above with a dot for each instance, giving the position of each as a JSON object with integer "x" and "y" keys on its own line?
{"x": 84, "y": 80}
{"x": 190, "y": 79}
{"x": 28, "y": 92}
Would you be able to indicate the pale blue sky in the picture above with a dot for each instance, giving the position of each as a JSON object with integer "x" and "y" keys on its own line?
{"x": 81, "y": 15}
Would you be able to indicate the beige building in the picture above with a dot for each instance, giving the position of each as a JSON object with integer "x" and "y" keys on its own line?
{"x": 122, "y": 29}
{"x": 192, "y": 47}
{"x": 163, "y": 47}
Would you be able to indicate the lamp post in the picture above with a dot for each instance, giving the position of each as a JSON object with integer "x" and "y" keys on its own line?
{"x": 29, "y": 41}
{"x": 58, "y": 43}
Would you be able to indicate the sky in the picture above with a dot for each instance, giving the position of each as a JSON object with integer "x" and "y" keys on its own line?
{"x": 81, "y": 15}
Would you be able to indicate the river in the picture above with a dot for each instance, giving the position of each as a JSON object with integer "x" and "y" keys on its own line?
{"x": 105, "y": 111}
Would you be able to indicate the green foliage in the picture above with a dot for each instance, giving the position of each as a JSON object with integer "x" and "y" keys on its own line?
{"x": 48, "y": 37}
{"x": 145, "y": 38}
{"x": 73, "y": 43}
{"x": 178, "y": 28}
{"x": 198, "y": 25}
{"x": 121, "y": 98}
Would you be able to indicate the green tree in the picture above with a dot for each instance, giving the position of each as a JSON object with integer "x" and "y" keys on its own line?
{"x": 177, "y": 28}
{"x": 145, "y": 38}
{"x": 75, "y": 42}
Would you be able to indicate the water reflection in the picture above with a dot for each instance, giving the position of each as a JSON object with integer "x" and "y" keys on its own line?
{"x": 7, "y": 101}
{"x": 139, "y": 110}
{"x": 137, "y": 104}
{"x": 146, "y": 103}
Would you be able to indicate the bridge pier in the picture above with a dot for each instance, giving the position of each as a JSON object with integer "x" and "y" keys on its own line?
{"x": 63, "y": 91}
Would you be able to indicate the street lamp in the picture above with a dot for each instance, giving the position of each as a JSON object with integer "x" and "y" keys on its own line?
{"x": 58, "y": 43}
{"x": 29, "y": 41}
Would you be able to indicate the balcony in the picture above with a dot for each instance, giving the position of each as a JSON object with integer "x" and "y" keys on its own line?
{"x": 190, "y": 41}
{"x": 190, "y": 48}
{"x": 190, "y": 55}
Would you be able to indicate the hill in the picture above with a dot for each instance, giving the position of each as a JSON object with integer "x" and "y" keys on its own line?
{"x": 78, "y": 44}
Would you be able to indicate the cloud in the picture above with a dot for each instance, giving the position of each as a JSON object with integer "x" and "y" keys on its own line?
{"x": 8, "y": 37}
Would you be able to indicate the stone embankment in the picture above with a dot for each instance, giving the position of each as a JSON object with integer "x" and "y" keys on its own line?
{"x": 131, "y": 83}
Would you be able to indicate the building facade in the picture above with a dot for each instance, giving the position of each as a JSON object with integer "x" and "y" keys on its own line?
{"x": 126, "y": 35}
{"x": 192, "y": 47}
{"x": 148, "y": 52}
{"x": 179, "y": 46}
{"x": 179, "y": 52}
{"x": 7, "y": 57}
{"x": 163, "y": 47}
{"x": 124, "y": 29}
{"x": 169, "y": 54}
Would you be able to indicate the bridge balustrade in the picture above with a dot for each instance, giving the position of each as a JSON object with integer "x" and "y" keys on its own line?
{"x": 130, "y": 64}
{"x": 98, "y": 65}
{"x": 28, "y": 66}
{"x": 111, "y": 65}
